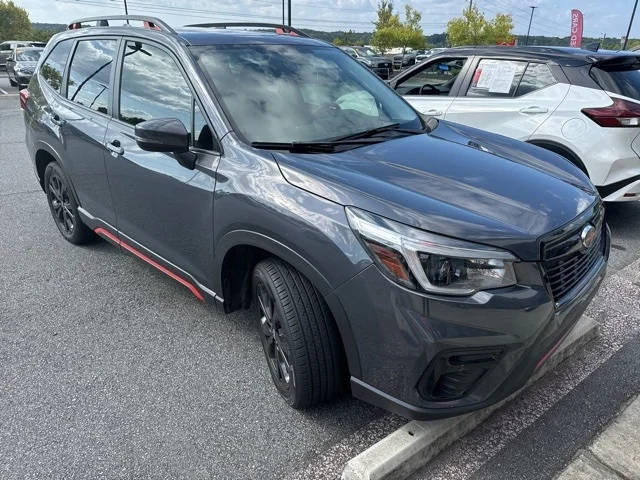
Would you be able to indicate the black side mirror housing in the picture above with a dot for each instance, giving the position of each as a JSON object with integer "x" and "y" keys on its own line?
{"x": 162, "y": 135}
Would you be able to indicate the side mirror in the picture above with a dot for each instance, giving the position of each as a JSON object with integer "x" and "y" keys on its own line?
{"x": 162, "y": 135}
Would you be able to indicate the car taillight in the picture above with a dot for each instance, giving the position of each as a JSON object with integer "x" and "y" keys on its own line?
{"x": 24, "y": 98}
{"x": 622, "y": 113}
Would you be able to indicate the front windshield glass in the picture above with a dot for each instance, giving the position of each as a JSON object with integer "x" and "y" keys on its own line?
{"x": 299, "y": 93}
{"x": 28, "y": 55}
{"x": 366, "y": 51}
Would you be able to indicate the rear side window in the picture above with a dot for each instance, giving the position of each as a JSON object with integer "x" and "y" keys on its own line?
{"x": 90, "y": 74}
{"x": 152, "y": 86}
{"x": 536, "y": 77}
{"x": 496, "y": 78}
{"x": 623, "y": 79}
{"x": 52, "y": 69}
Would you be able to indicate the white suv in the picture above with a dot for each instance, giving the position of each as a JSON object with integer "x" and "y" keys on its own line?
{"x": 580, "y": 104}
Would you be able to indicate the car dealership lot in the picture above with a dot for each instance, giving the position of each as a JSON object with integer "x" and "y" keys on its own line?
{"x": 111, "y": 369}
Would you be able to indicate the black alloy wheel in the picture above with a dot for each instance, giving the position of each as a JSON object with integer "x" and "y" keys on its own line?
{"x": 63, "y": 206}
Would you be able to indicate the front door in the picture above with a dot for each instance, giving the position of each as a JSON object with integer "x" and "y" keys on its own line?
{"x": 431, "y": 87}
{"x": 160, "y": 204}
{"x": 509, "y": 97}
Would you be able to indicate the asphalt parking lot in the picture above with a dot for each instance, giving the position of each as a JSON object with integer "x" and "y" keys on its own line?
{"x": 108, "y": 369}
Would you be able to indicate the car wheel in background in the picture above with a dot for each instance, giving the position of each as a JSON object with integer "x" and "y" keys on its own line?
{"x": 64, "y": 208}
{"x": 298, "y": 334}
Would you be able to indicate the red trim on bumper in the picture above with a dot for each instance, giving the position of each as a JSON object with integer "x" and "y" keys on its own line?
{"x": 105, "y": 233}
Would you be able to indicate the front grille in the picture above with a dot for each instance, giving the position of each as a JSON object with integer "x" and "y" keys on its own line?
{"x": 566, "y": 261}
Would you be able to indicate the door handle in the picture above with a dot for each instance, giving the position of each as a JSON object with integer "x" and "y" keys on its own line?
{"x": 433, "y": 112}
{"x": 115, "y": 148}
{"x": 534, "y": 109}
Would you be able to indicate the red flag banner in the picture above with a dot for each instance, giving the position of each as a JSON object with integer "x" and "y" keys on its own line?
{"x": 577, "y": 21}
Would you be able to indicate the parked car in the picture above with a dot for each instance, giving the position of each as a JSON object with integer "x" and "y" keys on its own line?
{"x": 381, "y": 66}
{"x": 432, "y": 266}
{"x": 21, "y": 65}
{"x": 404, "y": 60}
{"x": 581, "y": 104}
{"x": 7, "y": 48}
{"x": 421, "y": 57}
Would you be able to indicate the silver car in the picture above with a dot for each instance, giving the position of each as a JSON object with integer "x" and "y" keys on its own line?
{"x": 7, "y": 48}
{"x": 21, "y": 65}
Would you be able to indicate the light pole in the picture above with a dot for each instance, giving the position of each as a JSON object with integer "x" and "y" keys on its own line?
{"x": 283, "y": 13}
{"x": 289, "y": 1}
{"x": 526, "y": 42}
{"x": 126, "y": 10}
{"x": 633, "y": 14}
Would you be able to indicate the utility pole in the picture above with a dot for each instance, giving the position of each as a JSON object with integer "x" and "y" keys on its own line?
{"x": 633, "y": 14}
{"x": 290, "y": 12}
{"x": 470, "y": 4}
{"x": 283, "y": 13}
{"x": 526, "y": 42}
{"x": 126, "y": 10}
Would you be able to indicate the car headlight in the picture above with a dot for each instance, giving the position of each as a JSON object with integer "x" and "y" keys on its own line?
{"x": 414, "y": 258}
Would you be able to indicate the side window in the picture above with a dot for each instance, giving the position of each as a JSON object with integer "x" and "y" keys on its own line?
{"x": 496, "y": 78}
{"x": 90, "y": 74}
{"x": 536, "y": 77}
{"x": 202, "y": 134}
{"x": 5, "y": 46}
{"x": 52, "y": 69}
{"x": 152, "y": 86}
{"x": 436, "y": 78}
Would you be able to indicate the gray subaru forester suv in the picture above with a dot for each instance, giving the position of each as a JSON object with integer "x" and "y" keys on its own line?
{"x": 429, "y": 267}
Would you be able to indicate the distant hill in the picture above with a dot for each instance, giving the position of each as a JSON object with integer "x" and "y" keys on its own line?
{"x": 49, "y": 27}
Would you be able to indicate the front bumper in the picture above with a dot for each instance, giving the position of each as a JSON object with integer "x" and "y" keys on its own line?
{"x": 23, "y": 79}
{"x": 400, "y": 335}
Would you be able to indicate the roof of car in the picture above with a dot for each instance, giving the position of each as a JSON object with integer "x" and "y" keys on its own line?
{"x": 563, "y": 55}
{"x": 222, "y": 36}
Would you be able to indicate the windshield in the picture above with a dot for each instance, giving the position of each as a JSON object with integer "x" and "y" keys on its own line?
{"x": 366, "y": 52}
{"x": 28, "y": 55}
{"x": 299, "y": 93}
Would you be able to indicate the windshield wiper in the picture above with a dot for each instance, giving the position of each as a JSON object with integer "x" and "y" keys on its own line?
{"x": 316, "y": 146}
{"x": 392, "y": 127}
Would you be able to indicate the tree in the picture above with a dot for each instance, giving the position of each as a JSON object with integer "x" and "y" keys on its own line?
{"x": 473, "y": 29}
{"x": 14, "y": 22}
{"x": 391, "y": 32}
{"x": 347, "y": 39}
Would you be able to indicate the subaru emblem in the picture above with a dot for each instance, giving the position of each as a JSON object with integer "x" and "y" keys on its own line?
{"x": 588, "y": 236}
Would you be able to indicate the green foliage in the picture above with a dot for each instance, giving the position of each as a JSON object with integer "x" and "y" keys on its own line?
{"x": 347, "y": 38}
{"x": 15, "y": 25}
{"x": 14, "y": 22}
{"x": 472, "y": 28}
{"x": 391, "y": 32}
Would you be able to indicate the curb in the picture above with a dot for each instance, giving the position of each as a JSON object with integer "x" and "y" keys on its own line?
{"x": 412, "y": 446}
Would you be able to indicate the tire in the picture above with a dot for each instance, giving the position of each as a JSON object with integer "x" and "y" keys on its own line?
{"x": 13, "y": 83}
{"x": 299, "y": 337}
{"x": 64, "y": 207}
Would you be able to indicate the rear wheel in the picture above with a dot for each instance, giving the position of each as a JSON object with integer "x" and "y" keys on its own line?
{"x": 63, "y": 206}
{"x": 298, "y": 334}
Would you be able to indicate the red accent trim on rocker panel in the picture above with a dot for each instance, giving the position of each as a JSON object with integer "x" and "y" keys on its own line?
{"x": 105, "y": 233}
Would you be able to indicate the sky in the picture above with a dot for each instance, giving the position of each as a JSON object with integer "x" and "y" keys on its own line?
{"x": 551, "y": 17}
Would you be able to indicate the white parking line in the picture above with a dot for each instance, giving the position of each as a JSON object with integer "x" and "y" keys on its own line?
{"x": 4, "y": 91}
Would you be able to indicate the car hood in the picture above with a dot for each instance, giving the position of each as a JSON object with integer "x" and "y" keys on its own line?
{"x": 24, "y": 64}
{"x": 456, "y": 181}
{"x": 377, "y": 59}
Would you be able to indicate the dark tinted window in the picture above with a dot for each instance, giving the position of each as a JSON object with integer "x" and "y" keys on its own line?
{"x": 152, "y": 86}
{"x": 536, "y": 77}
{"x": 435, "y": 78}
{"x": 496, "y": 78}
{"x": 52, "y": 69}
{"x": 621, "y": 79}
{"x": 202, "y": 135}
{"x": 90, "y": 74}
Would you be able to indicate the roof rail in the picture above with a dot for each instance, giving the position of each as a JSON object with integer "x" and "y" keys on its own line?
{"x": 103, "y": 21}
{"x": 278, "y": 26}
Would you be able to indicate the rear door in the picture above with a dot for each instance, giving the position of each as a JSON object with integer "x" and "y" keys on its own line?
{"x": 161, "y": 205}
{"x": 83, "y": 119}
{"x": 431, "y": 87}
{"x": 509, "y": 97}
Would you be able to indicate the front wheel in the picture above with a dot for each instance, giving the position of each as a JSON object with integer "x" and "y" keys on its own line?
{"x": 13, "y": 83}
{"x": 299, "y": 337}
